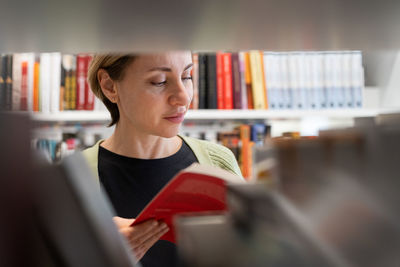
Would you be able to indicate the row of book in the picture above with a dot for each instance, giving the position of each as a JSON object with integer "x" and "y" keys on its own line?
{"x": 46, "y": 82}
{"x": 278, "y": 80}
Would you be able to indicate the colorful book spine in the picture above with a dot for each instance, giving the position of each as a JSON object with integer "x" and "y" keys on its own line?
{"x": 228, "y": 91}
{"x": 237, "y": 90}
{"x": 257, "y": 80}
{"x": 16, "y": 94}
{"x": 80, "y": 81}
{"x": 243, "y": 89}
{"x": 202, "y": 81}
{"x": 211, "y": 94}
{"x": 220, "y": 81}
{"x": 249, "y": 86}
{"x": 36, "y": 76}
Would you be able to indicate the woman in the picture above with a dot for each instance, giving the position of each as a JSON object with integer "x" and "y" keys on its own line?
{"x": 147, "y": 97}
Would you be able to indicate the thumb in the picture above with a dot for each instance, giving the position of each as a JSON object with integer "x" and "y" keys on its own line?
{"x": 122, "y": 222}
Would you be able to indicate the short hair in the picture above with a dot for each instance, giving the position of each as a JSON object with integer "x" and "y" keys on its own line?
{"x": 115, "y": 65}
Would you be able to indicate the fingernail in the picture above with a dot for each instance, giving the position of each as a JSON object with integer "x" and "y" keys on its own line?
{"x": 164, "y": 225}
{"x": 154, "y": 223}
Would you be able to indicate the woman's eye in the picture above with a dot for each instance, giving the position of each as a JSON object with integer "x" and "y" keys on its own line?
{"x": 187, "y": 78}
{"x": 159, "y": 83}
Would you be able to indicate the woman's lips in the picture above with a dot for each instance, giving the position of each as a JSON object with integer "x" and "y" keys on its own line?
{"x": 176, "y": 118}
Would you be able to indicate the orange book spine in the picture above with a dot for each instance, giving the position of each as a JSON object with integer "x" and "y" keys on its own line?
{"x": 247, "y": 75}
{"x": 263, "y": 79}
{"x": 244, "y": 154}
{"x": 36, "y": 72}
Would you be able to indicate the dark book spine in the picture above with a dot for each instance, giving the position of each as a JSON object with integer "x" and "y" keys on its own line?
{"x": 237, "y": 91}
{"x": 211, "y": 81}
{"x": 9, "y": 82}
{"x": 202, "y": 81}
{"x": 2, "y": 82}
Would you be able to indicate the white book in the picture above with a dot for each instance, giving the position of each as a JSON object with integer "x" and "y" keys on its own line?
{"x": 55, "y": 80}
{"x": 357, "y": 78}
{"x": 338, "y": 80}
{"x": 317, "y": 81}
{"x": 328, "y": 80}
{"x": 16, "y": 85}
{"x": 284, "y": 81}
{"x": 45, "y": 82}
{"x": 294, "y": 88}
{"x": 270, "y": 79}
{"x": 302, "y": 70}
{"x": 310, "y": 92}
{"x": 346, "y": 80}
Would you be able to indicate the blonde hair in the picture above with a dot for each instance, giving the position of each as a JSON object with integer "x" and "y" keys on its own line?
{"x": 115, "y": 65}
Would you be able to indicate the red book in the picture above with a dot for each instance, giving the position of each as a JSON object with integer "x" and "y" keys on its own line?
{"x": 80, "y": 81}
{"x": 89, "y": 96}
{"x": 227, "y": 72}
{"x": 24, "y": 86}
{"x": 220, "y": 81}
{"x": 196, "y": 189}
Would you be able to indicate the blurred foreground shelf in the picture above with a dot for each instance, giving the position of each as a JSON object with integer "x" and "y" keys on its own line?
{"x": 95, "y": 116}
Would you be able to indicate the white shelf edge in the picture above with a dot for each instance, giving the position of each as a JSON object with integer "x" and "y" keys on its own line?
{"x": 102, "y": 116}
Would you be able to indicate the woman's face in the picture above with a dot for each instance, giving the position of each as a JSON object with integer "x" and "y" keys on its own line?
{"x": 155, "y": 93}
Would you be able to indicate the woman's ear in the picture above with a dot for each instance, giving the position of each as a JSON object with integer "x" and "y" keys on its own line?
{"x": 107, "y": 85}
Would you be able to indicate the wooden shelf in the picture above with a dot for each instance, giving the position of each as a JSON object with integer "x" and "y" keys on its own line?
{"x": 93, "y": 116}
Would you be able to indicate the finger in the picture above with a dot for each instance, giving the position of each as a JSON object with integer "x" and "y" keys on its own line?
{"x": 153, "y": 239}
{"x": 138, "y": 240}
{"x": 142, "y": 229}
{"x": 122, "y": 222}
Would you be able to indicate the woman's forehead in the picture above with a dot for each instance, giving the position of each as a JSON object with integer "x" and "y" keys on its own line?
{"x": 167, "y": 59}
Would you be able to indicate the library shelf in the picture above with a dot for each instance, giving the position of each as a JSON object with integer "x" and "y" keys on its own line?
{"x": 103, "y": 116}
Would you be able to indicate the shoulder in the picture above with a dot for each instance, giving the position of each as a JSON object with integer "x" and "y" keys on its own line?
{"x": 91, "y": 155}
{"x": 213, "y": 154}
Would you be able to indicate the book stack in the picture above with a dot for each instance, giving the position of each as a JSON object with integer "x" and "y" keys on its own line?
{"x": 278, "y": 80}
{"x": 46, "y": 82}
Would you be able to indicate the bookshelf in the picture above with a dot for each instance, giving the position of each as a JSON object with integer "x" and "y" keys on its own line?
{"x": 207, "y": 114}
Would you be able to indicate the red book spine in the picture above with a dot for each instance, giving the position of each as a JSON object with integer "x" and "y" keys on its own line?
{"x": 24, "y": 86}
{"x": 227, "y": 72}
{"x": 80, "y": 81}
{"x": 89, "y": 96}
{"x": 220, "y": 81}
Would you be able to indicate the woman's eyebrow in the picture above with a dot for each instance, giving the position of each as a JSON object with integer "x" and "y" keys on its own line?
{"x": 168, "y": 69}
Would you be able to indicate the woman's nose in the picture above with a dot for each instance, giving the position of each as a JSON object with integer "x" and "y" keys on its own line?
{"x": 181, "y": 95}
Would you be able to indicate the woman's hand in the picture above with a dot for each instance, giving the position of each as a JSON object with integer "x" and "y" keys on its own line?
{"x": 141, "y": 236}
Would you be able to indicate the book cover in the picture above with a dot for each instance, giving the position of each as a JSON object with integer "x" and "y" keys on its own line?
{"x": 227, "y": 72}
{"x": 55, "y": 79}
{"x": 220, "y": 81}
{"x": 245, "y": 152}
{"x": 196, "y": 189}
{"x": 257, "y": 80}
{"x": 243, "y": 89}
{"x": 211, "y": 81}
{"x": 80, "y": 81}
{"x": 202, "y": 81}
{"x": 8, "y": 83}
{"x": 236, "y": 81}
{"x": 249, "y": 86}
{"x": 36, "y": 75}
{"x": 45, "y": 82}
{"x": 16, "y": 91}
{"x": 73, "y": 84}
{"x": 264, "y": 82}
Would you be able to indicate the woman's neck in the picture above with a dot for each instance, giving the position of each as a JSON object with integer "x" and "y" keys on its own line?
{"x": 131, "y": 143}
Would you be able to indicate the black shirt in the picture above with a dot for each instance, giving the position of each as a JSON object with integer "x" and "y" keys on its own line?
{"x": 131, "y": 183}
